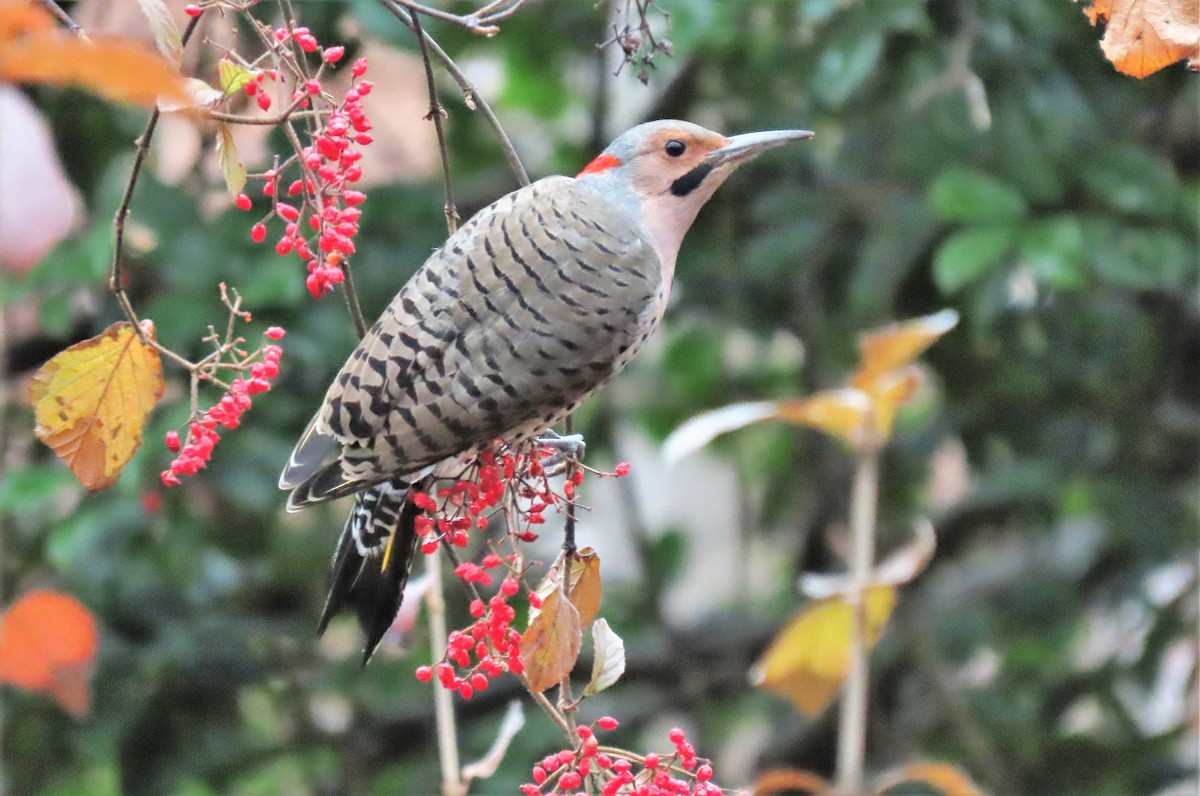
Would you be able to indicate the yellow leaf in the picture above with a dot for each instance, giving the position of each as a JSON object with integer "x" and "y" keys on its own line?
{"x": 1143, "y": 36}
{"x": 231, "y": 165}
{"x": 841, "y": 413}
{"x": 807, "y": 661}
{"x": 32, "y": 51}
{"x": 790, "y": 781}
{"x": 889, "y": 391}
{"x": 942, "y": 777}
{"x": 899, "y": 344}
{"x": 91, "y": 400}
{"x": 551, "y": 644}
{"x": 233, "y": 77}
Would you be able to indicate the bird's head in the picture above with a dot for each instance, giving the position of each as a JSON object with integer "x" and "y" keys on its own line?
{"x": 668, "y": 169}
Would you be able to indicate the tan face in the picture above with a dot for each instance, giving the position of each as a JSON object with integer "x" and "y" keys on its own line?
{"x": 672, "y": 161}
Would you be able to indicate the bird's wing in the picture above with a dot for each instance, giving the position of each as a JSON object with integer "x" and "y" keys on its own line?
{"x": 531, "y": 305}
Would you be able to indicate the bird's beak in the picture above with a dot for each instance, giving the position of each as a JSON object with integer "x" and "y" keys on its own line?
{"x": 741, "y": 148}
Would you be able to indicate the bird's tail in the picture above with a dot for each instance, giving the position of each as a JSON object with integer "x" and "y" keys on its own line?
{"x": 373, "y": 559}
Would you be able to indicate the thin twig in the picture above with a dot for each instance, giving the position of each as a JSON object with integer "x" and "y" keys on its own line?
{"x": 115, "y": 278}
{"x": 62, "y": 17}
{"x": 478, "y": 22}
{"x": 443, "y": 700}
{"x": 852, "y": 724}
{"x": 473, "y": 99}
{"x": 436, "y": 114}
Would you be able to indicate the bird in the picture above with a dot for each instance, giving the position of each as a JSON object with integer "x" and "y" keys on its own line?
{"x": 527, "y": 309}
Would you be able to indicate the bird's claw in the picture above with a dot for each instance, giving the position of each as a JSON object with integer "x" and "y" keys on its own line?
{"x": 567, "y": 447}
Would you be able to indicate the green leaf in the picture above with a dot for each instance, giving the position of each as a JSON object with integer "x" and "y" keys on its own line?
{"x": 844, "y": 64}
{"x": 233, "y": 77}
{"x": 1144, "y": 259}
{"x": 969, "y": 195}
{"x": 1053, "y": 251}
{"x": 966, "y": 256}
{"x": 231, "y": 165}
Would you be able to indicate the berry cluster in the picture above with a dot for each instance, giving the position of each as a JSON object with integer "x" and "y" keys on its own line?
{"x": 194, "y": 453}
{"x": 319, "y": 209}
{"x": 679, "y": 773}
{"x": 492, "y": 640}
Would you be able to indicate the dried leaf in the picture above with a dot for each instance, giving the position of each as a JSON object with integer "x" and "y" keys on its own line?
{"x": 199, "y": 95}
{"x": 807, "y": 661}
{"x": 899, "y": 344}
{"x": 942, "y": 777}
{"x": 551, "y": 644}
{"x": 608, "y": 658}
{"x": 510, "y": 725}
{"x": 231, "y": 164}
{"x": 843, "y": 413}
{"x": 91, "y": 400}
{"x": 166, "y": 33}
{"x": 1143, "y": 36}
{"x": 790, "y": 781}
{"x": 889, "y": 391}
{"x": 233, "y": 77}
{"x": 35, "y": 51}
{"x": 48, "y": 645}
{"x": 897, "y": 569}
{"x": 702, "y": 429}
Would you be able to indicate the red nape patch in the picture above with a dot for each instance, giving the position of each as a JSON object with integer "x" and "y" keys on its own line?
{"x": 601, "y": 163}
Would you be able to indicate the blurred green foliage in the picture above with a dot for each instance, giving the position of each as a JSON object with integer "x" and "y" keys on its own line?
{"x": 1061, "y": 220}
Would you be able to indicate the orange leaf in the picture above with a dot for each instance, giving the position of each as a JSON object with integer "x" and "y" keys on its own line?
{"x": 790, "y": 780}
{"x": 889, "y": 391}
{"x": 586, "y": 585}
{"x": 942, "y": 777}
{"x": 91, "y": 400}
{"x": 48, "y": 645}
{"x": 807, "y": 661}
{"x": 550, "y": 647}
{"x": 1143, "y": 36}
{"x": 118, "y": 69}
{"x": 840, "y": 413}
{"x": 899, "y": 344}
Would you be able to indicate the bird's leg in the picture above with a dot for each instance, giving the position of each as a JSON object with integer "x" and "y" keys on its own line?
{"x": 567, "y": 447}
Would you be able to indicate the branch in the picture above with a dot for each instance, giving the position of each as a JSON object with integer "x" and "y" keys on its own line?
{"x": 472, "y": 97}
{"x": 852, "y": 730}
{"x": 480, "y": 22}
{"x": 436, "y": 114}
{"x": 62, "y": 17}
{"x": 115, "y": 278}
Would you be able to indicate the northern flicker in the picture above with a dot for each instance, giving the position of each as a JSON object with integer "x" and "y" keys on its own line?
{"x": 538, "y": 300}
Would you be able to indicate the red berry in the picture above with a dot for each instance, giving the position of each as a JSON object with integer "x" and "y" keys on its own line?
{"x": 466, "y": 691}
{"x": 243, "y": 202}
{"x": 192, "y": 10}
{"x": 651, "y": 760}
{"x": 704, "y": 773}
{"x": 510, "y": 586}
{"x": 621, "y": 469}
{"x": 258, "y": 233}
{"x": 570, "y": 781}
{"x": 173, "y": 444}
{"x": 312, "y": 87}
{"x": 539, "y": 774}
{"x": 677, "y": 736}
{"x": 333, "y": 54}
{"x": 359, "y": 68}
{"x": 607, "y": 723}
{"x": 276, "y": 332}
{"x": 424, "y": 673}
{"x": 264, "y": 101}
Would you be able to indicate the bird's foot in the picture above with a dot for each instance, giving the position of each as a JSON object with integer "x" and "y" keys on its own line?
{"x": 568, "y": 448}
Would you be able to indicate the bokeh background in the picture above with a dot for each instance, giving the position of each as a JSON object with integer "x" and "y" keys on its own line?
{"x": 980, "y": 155}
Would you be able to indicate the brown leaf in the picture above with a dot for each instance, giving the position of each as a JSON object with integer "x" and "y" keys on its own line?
{"x": 91, "y": 400}
{"x": 550, "y": 647}
{"x": 1143, "y": 36}
{"x": 34, "y": 50}
{"x": 790, "y": 781}
{"x": 808, "y": 660}
{"x": 942, "y": 777}
{"x": 899, "y": 344}
{"x": 48, "y": 645}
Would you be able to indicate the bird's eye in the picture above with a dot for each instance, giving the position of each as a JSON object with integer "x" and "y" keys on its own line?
{"x": 675, "y": 147}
